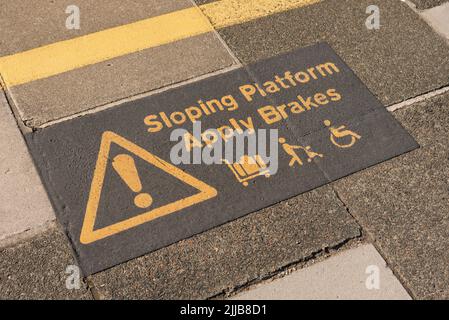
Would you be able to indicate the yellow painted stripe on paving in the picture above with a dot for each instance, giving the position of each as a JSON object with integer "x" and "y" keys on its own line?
{"x": 226, "y": 13}
{"x": 63, "y": 56}
{"x": 96, "y": 47}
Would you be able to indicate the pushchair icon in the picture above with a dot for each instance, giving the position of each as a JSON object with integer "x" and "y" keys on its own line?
{"x": 248, "y": 168}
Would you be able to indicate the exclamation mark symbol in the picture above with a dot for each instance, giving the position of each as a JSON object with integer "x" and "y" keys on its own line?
{"x": 126, "y": 168}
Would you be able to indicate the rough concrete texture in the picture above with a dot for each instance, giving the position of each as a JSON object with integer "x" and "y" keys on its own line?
{"x": 438, "y": 18}
{"x": 36, "y": 269}
{"x": 99, "y": 84}
{"x": 426, "y": 4}
{"x": 23, "y": 201}
{"x": 402, "y": 203}
{"x": 355, "y": 274}
{"x": 238, "y": 252}
{"x": 397, "y": 62}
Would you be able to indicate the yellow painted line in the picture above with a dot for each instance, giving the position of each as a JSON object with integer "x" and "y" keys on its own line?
{"x": 226, "y": 13}
{"x": 96, "y": 47}
{"x": 63, "y": 56}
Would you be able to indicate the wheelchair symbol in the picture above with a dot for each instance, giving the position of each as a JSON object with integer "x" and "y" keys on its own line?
{"x": 340, "y": 133}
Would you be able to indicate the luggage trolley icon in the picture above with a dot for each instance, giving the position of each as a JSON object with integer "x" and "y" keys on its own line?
{"x": 248, "y": 168}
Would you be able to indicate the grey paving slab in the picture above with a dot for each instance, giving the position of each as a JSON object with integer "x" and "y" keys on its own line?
{"x": 94, "y": 153}
{"x": 23, "y": 201}
{"x": 426, "y": 4}
{"x": 402, "y": 204}
{"x": 403, "y": 59}
{"x": 22, "y": 31}
{"x": 36, "y": 269}
{"x": 356, "y": 274}
{"x": 229, "y": 256}
{"x": 438, "y": 18}
{"x": 85, "y": 88}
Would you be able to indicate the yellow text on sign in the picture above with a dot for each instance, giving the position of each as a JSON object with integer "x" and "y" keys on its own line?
{"x": 125, "y": 166}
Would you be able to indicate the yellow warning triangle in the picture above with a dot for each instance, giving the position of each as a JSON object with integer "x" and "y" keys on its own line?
{"x": 89, "y": 235}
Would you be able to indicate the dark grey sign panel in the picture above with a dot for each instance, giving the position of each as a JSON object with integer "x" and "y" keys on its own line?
{"x": 119, "y": 192}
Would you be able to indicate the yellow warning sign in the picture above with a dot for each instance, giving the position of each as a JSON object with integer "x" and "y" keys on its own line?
{"x": 125, "y": 166}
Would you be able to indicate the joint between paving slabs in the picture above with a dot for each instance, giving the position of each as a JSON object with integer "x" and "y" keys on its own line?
{"x": 418, "y": 98}
{"x": 96, "y": 295}
{"x": 13, "y": 107}
{"x": 414, "y": 7}
{"x": 217, "y": 34}
{"x": 312, "y": 258}
{"x": 371, "y": 239}
{"x": 411, "y": 5}
{"x": 27, "y": 234}
{"x": 134, "y": 97}
{"x": 56, "y": 203}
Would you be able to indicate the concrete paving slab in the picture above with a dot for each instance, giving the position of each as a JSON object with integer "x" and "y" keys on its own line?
{"x": 397, "y": 62}
{"x": 26, "y": 27}
{"x": 86, "y": 88}
{"x": 438, "y": 18}
{"x": 355, "y": 274}
{"x": 36, "y": 269}
{"x": 231, "y": 255}
{"x": 23, "y": 201}
{"x": 114, "y": 78}
{"x": 402, "y": 203}
{"x": 99, "y": 209}
{"x": 426, "y": 4}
